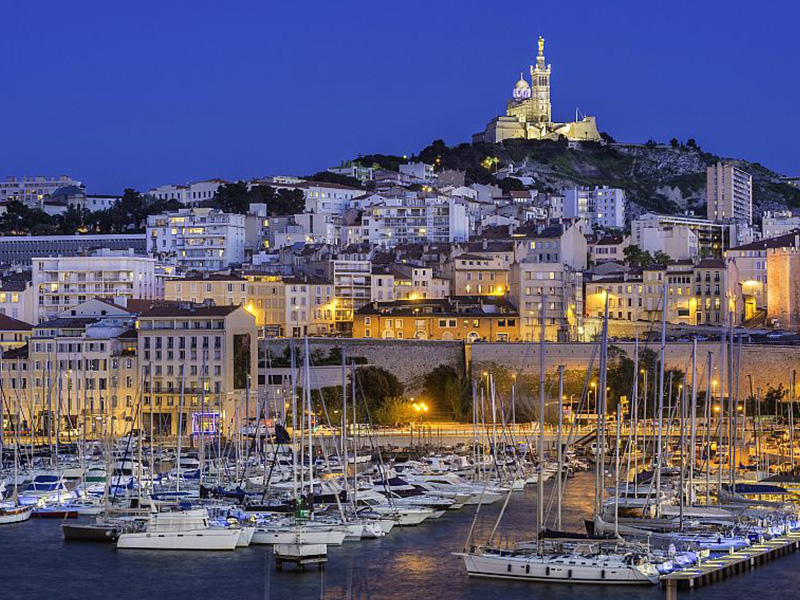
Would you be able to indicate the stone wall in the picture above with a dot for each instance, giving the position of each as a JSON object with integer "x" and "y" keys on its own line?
{"x": 768, "y": 365}
{"x": 409, "y": 360}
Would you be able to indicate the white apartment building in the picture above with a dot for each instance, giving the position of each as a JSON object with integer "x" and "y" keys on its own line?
{"x": 678, "y": 241}
{"x": 327, "y": 198}
{"x": 32, "y": 190}
{"x": 419, "y": 172}
{"x": 200, "y": 239}
{"x": 609, "y": 207}
{"x": 601, "y": 206}
{"x": 729, "y": 193}
{"x": 190, "y": 194}
{"x": 778, "y": 223}
{"x": 62, "y": 282}
{"x": 404, "y": 220}
{"x": 17, "y": 301}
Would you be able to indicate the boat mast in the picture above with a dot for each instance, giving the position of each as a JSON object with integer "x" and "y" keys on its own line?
{"x": 660, "y": 407}
{"x": 559, "y": 481}
{"x": 693, "y": 423}
{"x": 180, "y": 428}
{"x": 540, "y": 449}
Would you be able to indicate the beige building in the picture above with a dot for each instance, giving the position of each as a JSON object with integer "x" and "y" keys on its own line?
{"x": 469, "y": 319}
{"x": 81, "y": 365}
{"x": 625, "y": 298}
{"x": 561, "y": 290}
{"x": 783, "y": 273}
{"x": 13, "y": 333}
{"x": 729, "y": 193}
{"x": 207, "y": 355}
{"x": 17, "y": 300}
{"x": 479, "y": 275}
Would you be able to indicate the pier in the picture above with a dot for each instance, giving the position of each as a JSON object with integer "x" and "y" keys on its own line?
{"x": 723, "y": 567}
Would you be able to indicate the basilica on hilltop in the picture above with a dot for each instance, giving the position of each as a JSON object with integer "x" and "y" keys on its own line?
{"x": 528, "y": 112}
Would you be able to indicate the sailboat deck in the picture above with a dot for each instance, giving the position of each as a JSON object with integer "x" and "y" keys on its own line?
{"x": 728, "y": 565}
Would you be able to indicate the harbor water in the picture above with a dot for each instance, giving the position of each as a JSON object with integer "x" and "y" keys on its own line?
{"x": 410, "y": 563}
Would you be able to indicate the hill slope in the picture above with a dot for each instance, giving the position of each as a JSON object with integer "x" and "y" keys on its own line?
{"x": 660, "y": 178}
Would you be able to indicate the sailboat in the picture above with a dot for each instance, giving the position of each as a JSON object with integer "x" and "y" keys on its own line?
{"x": 568, "y": 560}
{"x": 10, "y": 510}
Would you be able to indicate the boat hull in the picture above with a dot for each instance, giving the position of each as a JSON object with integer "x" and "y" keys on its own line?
{"x": 534, "y": 568}
{"x": 208, "y": 539}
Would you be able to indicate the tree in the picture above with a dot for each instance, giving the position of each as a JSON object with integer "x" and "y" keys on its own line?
{"x": 395, "y": 411}
{"x": 232, "y": 197}
{"x": 674, "y": 143}
{"x": 72, "y": 220}
{"x": 607, "y": 137}
{"x": 446, "y": 389}
{"x": 636, "y": 257}
{"x": 375, "y": 385}
{"x": 661, "y": 258}
{"x": 19, "y": 220}
{"x": 329, "y": 177}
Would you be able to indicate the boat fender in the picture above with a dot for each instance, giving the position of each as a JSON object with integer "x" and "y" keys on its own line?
{"x": 527, "y": 569}
{"x": 509, "y": 568}
{"x": 603, "y": 574}
{"x": 547, "y": 571}
{"x": 569, "y": 574}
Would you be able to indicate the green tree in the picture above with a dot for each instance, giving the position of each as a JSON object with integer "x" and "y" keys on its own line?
{"x": 636, "y": 257}
{"x": 375, "y": 385}
{"x": 444, "y": 388}
{"x": 661, "y": 258}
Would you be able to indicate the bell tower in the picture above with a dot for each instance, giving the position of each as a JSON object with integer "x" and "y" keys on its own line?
{"x": 540, "y": 88}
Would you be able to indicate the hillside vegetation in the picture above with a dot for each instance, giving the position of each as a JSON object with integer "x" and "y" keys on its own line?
{"x": 668, "y": 178}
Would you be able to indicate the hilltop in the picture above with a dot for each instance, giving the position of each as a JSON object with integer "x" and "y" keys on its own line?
{"x": 666, "y": 178}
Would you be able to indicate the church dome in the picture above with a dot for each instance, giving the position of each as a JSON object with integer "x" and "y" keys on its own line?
{"x": 521, "y": 84}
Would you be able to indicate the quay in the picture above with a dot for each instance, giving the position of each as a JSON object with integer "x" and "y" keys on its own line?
{"x": 723, "y": 567}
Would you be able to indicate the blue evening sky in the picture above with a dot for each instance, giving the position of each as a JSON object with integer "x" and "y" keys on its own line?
{"x": 135, "y": 94}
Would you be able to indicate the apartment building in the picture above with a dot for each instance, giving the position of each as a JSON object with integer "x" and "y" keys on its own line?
{"x": 717, "y": 293}
{"x": 191, "y": 194}
{"x": 479, "y": 275}
{"x": 599, "y": 207}
{"x": 17, "y": 300}
{"x": 199, "y": 357}
{"x": 729, "y": 193}
{"x": 84, "y": 358}
{"x": 13, "y": 332}
{"x": 62, "y": 282}
{"x": 32, "y": 190}
{"x": 410, "y": 219}
{"x": 625, "y": 298}
{"x": 457, "y": 318}
{"x": 198, "y": 239}
{"x": 609, "y": 248}
{"x": 781, "y": 222}
{"x": 556, "y": 285}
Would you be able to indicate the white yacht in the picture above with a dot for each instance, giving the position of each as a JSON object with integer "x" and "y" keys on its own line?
{"x": 183, "y": 530}
{"x": 584, "y": 564}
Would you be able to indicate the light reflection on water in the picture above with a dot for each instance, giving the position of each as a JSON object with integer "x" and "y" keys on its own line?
{"x": 414, "y": 563}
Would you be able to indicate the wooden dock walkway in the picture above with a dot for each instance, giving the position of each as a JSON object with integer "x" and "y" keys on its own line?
{"x": 720, "y": 568}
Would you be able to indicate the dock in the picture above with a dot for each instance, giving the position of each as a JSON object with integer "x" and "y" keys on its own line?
{"x": 300, "y": 555}
{"x": 723, "y": 567}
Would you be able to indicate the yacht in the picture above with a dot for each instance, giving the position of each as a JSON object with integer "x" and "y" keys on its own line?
{"x": 181, "y": 530}
{"x": 587, "y": 563}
